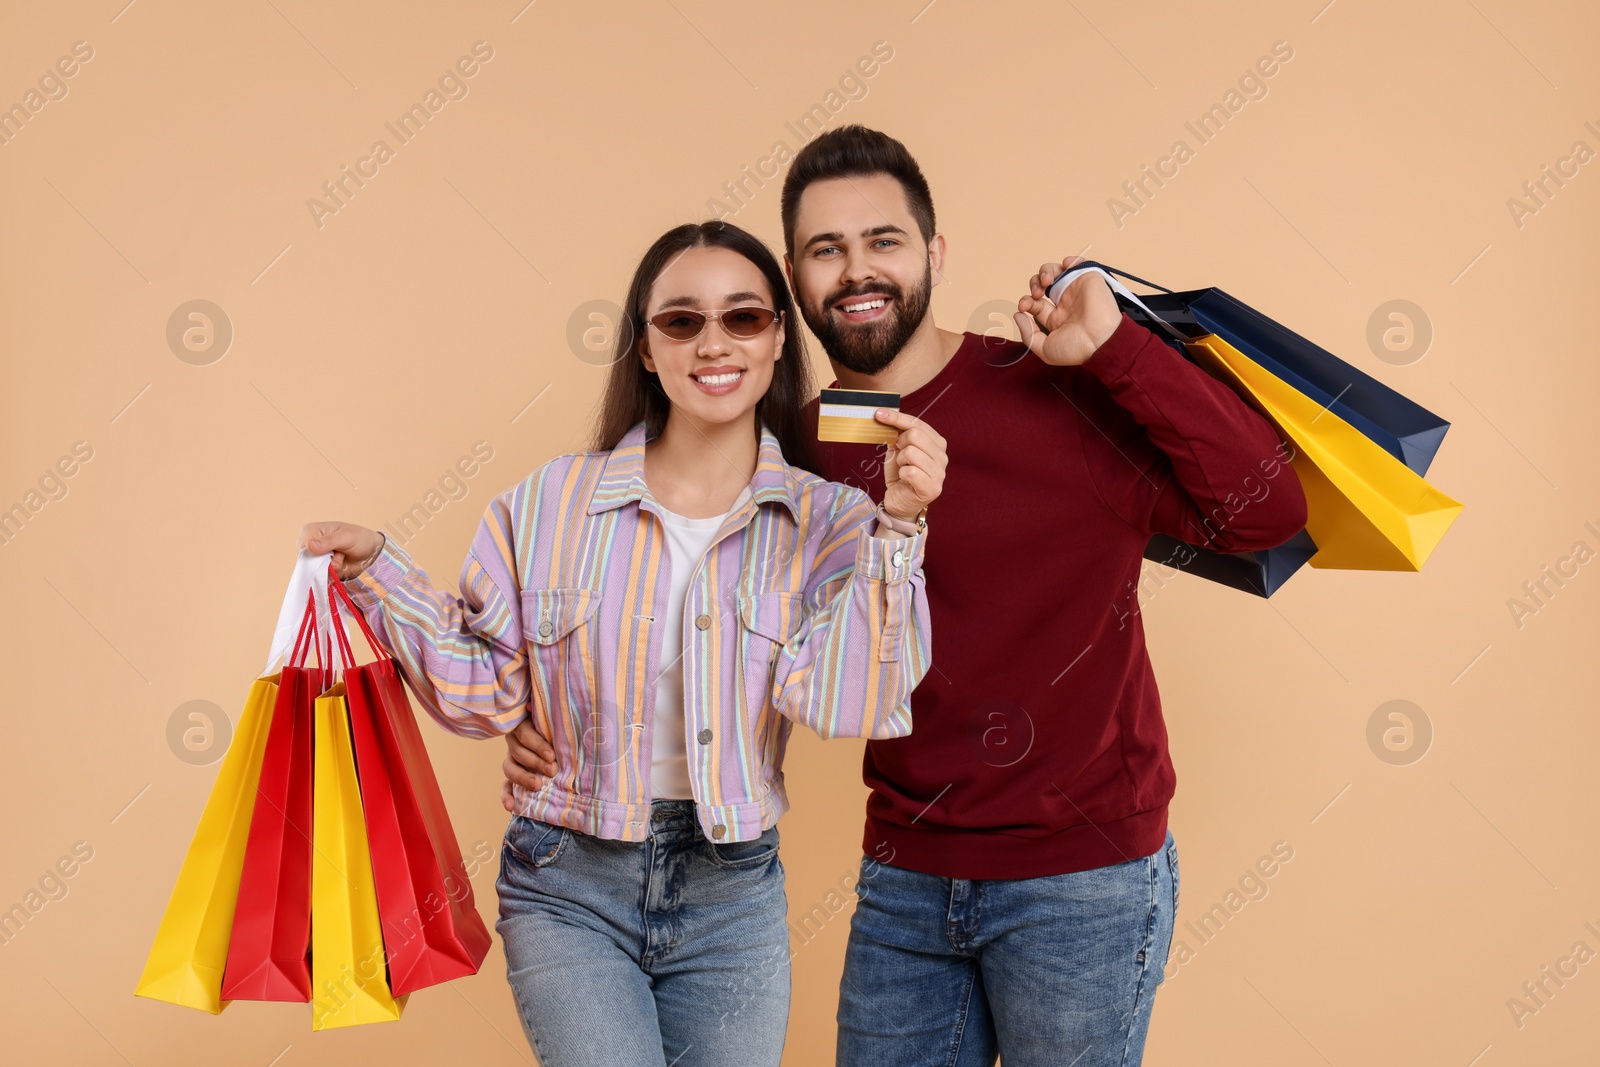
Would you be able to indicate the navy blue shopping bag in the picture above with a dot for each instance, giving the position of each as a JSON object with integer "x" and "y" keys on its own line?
{"x": 1403, "y": 428}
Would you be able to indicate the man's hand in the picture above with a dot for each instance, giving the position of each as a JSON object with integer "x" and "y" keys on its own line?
{"x": 1075, "y": 328}
{"x": 530, "y": 761}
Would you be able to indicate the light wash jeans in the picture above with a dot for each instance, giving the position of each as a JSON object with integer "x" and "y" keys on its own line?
{"x": 671, "y": 951}
{"x": 1056, "y": 971}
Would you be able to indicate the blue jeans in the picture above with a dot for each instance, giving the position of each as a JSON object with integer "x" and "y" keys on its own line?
{"x": 673, "y": 950}
{"x": 1060, "y": 970}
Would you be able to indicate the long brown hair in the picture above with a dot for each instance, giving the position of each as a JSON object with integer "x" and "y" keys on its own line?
{"x": 634, "y": 394}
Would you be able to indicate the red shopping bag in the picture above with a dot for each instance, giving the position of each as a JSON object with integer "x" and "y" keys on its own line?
{"x": 190, "y": 952}
{"x": 268, "y": 950}
{"x": 432, "y": 932}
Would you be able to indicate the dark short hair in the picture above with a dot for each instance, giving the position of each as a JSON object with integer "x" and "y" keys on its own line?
{"x": 855, "y": 152}
{"x": 634, "y": 394}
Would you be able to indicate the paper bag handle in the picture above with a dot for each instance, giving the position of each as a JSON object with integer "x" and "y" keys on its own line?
{"x": 1061, "y": 283}
{"x": 309, "y": 639}
{"x": 343, "y": 594}
{"x": 307, "y": 636}
{"x": 347, "y": 657}
{"x": 309, "y": 579}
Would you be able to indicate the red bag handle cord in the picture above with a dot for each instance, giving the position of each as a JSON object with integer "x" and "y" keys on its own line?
{"x": 328, "y": 672}
{"x": 326, "y": 668}
{"x": 337, "y": 585}
{"x": 300, "y": 639}
{"x": 308, "y": 639}
{"x": 310, "y": 636}
{"x": 308, "y": 630}
{"x": 339, "y": 630}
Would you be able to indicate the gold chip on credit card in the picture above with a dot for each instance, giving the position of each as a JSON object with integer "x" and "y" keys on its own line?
{"x": 847, "y": 415}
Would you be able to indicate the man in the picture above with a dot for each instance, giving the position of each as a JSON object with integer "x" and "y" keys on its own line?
{"x": 1019, "y": 881}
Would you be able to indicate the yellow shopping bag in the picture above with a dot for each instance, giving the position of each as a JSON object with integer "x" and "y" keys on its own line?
{"x": 349, "y": 973}
{"x": 1365, "y": 509}
{"x": 191, "y": 948}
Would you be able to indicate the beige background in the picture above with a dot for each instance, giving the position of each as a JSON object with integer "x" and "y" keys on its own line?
{"x": 430, "y": 312}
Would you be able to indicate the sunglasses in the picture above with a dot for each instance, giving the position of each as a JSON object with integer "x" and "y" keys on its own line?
{"x": 683, "y": 324}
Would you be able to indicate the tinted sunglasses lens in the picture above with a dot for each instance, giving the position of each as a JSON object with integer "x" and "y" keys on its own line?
{"x": 680, "y": 325}
{"x": 748, "y": 321}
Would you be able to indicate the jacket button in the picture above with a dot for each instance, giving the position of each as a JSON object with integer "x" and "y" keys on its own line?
{"x": 545, "y": 628}
{"x": 705, "y": 737}
{"x": 702, "y": 622}
{"x": 719, "y": 831}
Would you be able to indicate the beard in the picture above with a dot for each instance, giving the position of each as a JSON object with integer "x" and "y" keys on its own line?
{"x": 869, "y": 347}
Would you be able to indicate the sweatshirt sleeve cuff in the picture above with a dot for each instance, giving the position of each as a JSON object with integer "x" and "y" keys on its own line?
{"x": 385, "y": 574}
{"x": 1116, "y": 357}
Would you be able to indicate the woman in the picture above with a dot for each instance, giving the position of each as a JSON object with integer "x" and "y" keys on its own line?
{"x": 665, "y": 607}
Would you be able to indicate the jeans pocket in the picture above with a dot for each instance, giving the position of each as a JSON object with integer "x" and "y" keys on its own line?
{"x": 745, "y": 855}
{"x": 534, "y": 843}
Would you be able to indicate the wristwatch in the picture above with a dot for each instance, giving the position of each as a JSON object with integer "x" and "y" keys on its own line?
{"x": 901, "y": 526}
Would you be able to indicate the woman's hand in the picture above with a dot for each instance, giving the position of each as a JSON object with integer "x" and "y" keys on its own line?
{"x": 353, "y": 547}
{"x": 913, "y": 465}
{"x": 530, "y": 758}
{"x": 1068, "y": 333}
{"x": 530, "y": 762}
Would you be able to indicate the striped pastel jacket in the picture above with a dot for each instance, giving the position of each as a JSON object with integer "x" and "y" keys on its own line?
{"x": 797, "y": 614}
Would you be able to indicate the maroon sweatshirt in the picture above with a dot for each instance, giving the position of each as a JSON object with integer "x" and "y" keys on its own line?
{"x": 1037, "y": 744}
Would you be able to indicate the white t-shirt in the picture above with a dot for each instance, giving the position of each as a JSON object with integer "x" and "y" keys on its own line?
{"x": 687, "y": 542}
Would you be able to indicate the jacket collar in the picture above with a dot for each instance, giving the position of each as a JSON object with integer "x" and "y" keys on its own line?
{"x": 622, "y": 480}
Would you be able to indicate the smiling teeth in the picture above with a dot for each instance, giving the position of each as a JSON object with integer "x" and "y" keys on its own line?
{"x": 868, "y": 306}
{"x": 719, "y": 379}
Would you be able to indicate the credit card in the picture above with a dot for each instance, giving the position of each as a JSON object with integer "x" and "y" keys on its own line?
{"x": 846, "y": 415}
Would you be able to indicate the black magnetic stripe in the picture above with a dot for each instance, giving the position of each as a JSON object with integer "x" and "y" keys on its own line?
{"x": 860, "y": 397}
